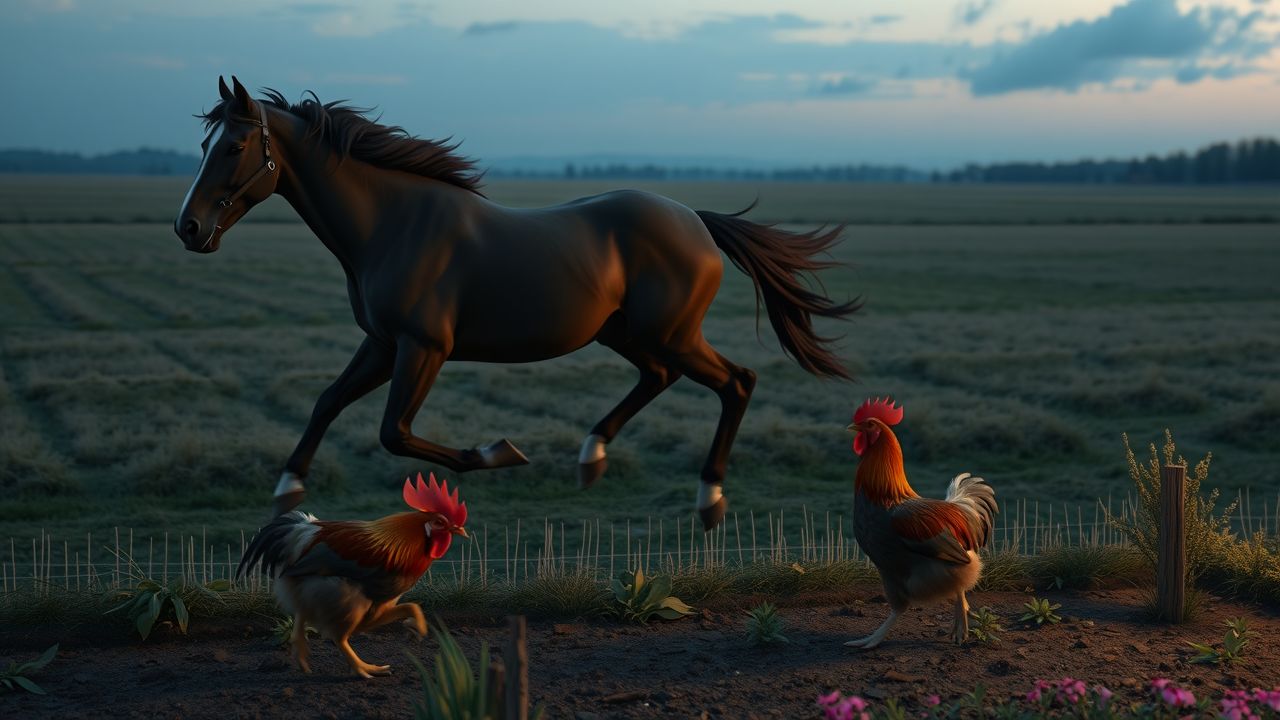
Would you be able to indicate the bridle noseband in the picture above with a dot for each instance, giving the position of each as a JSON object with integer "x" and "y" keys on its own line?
{"x": 268, "y": 165}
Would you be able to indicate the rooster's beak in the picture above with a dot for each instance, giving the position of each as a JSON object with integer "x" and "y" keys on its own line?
{"x": 460, "y": 531}
{"x": 853, "y": 427}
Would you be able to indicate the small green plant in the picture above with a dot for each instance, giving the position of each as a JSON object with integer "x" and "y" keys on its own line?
{"x": 15, "y": 676}
{"x": 456, "y": 691}
{"x": 282, "y": 630}
{"x": 985, "y": 626}
{"x": 1040, "y": 611}
{"x": 640, "y": 600}
{"x": 1233, "y": 642}
{"x": 764, "y": 625}
{"x": 148, "y": 602}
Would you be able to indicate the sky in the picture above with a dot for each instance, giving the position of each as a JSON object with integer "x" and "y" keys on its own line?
{"x": 926, "y": 83}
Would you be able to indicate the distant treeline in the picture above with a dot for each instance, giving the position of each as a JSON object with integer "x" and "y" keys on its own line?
{"x": 649, "y": 171}
{"x": 144, "y": 161}
{"x": 1248, "y": 161}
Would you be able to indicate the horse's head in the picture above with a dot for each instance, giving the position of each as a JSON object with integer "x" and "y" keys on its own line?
{"x": 238, "y": 170}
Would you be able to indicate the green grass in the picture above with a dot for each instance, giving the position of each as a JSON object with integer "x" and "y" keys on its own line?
{"x": 142, "y": 386}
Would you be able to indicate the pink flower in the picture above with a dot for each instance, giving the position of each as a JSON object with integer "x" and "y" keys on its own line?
{"x": 932, "y": 701}
{"x": 1040, "y": 688}
{"x": 1159, "y": 683}
{"x": 1069, "y": 691}
{"x": 1104, "y": 695}
{"x": 1175, "y": 696}
{"x": 830, "y": 699}
{"x": 1270, "y": 698}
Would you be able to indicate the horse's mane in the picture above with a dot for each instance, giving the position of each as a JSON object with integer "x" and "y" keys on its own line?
{"x": 351, "y": 134}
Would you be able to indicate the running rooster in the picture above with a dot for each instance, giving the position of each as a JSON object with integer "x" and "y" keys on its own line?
{"x": 347, "y": 577}
{"x": 925, "y": 549}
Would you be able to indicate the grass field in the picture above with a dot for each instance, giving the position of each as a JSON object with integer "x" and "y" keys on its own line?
{"x": 1024, "y": 329}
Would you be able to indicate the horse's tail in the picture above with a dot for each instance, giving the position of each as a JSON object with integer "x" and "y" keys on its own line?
{"x": 777, "y": 262}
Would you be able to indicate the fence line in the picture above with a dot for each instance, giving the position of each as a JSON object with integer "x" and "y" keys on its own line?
{"x": 822, "y": 539}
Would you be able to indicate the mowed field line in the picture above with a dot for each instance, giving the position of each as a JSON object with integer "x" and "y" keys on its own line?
{"x": 1021, "y": 354}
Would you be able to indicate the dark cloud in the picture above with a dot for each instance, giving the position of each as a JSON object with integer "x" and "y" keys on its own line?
{"x": 1188, "y": 74}
{"x": 1102, "y": 50}
{"x": 847, "y": 85}
{"x": 971, "y": 13}
{"x": 490, "y": 28}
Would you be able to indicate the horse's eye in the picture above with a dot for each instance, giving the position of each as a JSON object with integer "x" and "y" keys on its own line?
{"x": 235, "y": 149}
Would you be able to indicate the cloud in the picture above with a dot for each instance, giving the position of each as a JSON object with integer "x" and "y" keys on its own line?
{"x": 883, "y": 19}
{"x": 971, "y": 13}
{"x": 1189, "y": 74}
{"x": 1152, "y": 33}
{"x": 846, "y": 85}
{"x": 490, "y": 28}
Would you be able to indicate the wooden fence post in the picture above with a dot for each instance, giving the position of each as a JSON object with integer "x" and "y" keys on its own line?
{"x": 517, "y": 669}
{"x": 1171, "y": 568}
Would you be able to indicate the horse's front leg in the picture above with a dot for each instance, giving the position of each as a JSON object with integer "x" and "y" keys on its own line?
{"x": 416, "y": 368}
{"x": 369, "y": 368}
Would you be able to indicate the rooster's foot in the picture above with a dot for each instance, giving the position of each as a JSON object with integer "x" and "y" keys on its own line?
{"x": 365, "y": 670}
{"x": 865, "y": 643}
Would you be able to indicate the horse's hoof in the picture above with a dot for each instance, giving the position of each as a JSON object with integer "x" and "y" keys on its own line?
{"x": 282, "y": 504}
{"x": 713, "y": 515}
{"x": 501, "y": 454}
{"x": 589, "y": 473}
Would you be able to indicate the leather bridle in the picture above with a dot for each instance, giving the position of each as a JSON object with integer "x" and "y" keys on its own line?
{"x": 268, "y": 165}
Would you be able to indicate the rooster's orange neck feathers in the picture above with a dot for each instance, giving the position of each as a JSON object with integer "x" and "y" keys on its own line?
{"x": 397, "y": 542}
{"x": 881, "y": 477}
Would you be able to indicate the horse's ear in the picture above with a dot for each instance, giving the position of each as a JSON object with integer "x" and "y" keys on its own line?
{"x": 242, "y": 100}
{"x": 223, "y": 91}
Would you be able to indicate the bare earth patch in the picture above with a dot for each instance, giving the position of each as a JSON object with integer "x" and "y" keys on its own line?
{"x": 700, "y": 667}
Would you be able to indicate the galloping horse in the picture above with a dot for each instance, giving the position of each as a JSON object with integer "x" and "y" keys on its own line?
{"x": 435, "y": 272}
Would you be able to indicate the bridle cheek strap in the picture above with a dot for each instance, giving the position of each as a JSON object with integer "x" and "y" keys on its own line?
{"x": 268, "y": 165}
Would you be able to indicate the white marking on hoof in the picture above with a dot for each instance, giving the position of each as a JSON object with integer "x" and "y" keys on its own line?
{"x": 708, "y": 495}
{"x": 289, "y": 483}
{"x": 592, "y": 450}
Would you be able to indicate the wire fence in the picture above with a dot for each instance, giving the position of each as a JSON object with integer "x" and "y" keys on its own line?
{"x": 521, "y": 553}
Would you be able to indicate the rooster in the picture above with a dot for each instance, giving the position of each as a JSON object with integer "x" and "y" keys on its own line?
{"x": 347, "y": 577}
{"x": 924, "y": 549}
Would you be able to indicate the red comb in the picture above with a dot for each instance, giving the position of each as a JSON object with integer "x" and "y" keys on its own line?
{"x": 883, "y": 410}
{"x": 434, "y": 497}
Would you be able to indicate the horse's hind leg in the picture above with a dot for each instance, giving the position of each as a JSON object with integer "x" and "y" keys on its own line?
{"x": 369, "y": 368}
{"x": 733, "y": 384}
{"x": 416, "y": 369}
{"x": 655, "y": 376}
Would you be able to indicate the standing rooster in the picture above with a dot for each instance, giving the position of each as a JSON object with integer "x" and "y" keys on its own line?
{"x": 347, "y": 577}
{"x": 925, "y": 549}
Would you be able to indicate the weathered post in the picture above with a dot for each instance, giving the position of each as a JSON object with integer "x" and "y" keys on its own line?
{"x": 517, "y": 669}
{"x": 1171, "y": 568}
{"x": 496, "y": 682}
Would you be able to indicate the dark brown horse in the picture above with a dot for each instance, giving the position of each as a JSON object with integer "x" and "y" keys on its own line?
{"x": 436, "y": 272}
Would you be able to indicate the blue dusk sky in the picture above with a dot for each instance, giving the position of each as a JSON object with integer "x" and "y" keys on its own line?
{"x": 927, "y": 83}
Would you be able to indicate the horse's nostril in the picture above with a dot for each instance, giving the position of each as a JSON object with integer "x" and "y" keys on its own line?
{"x": 191, "y": 228}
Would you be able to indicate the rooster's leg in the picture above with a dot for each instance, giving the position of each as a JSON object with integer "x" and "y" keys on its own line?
{"x": 960, "y": 630}
{"x": 299, "y": 642}
{"x": 361, "y": 668}
{"x": 403, "y": 611}
{"x": 876, "y": 637}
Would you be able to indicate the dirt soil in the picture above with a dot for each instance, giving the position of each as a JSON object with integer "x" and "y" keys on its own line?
{"x": 700, "y": 667}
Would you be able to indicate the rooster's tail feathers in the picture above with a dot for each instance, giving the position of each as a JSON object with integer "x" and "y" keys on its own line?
{"x": 976, "y": 495}
{"x": 276, "y": 543}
